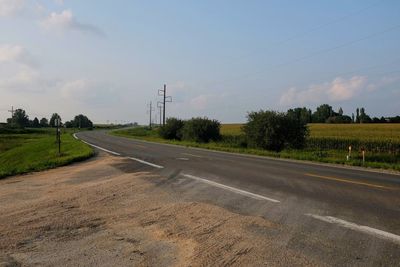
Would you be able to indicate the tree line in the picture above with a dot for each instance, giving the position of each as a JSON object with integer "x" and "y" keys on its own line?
{"x": 20, "y": 119}
{"x": 325, "y": 114}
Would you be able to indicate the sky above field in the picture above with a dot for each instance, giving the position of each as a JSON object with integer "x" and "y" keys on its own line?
{"x": 107, "y": 59}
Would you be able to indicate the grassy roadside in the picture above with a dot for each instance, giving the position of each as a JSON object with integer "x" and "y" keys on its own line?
{"x": 36, "y": 150}
{"x": 383, "y": 160}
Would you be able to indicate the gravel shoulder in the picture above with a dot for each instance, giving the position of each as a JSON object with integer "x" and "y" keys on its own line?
{"x": 96, "y": 213}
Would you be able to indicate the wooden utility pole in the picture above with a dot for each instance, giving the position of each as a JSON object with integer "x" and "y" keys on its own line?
{"x": 150, "y": 112}
{"x": 12, "y": 114}
{"x": 166, "y": 99}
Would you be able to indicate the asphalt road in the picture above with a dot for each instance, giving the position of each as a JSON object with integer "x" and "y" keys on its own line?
{"x": 339, "y": 215}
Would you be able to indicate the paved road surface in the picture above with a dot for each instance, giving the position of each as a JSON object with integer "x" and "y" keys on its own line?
{"x": 343, "y": 216}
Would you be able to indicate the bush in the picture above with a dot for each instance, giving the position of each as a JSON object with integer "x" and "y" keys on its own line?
{"x": 201, "y": 130}
{"x": 274, "y": 130}
{"x": 172, "y": 129}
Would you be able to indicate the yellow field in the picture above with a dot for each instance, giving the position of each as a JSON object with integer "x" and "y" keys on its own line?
{"x": 373, "y": 131}
{"x": 232, "y": 129}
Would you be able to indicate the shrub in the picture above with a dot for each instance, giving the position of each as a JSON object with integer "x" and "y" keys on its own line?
{"x": 201, "y": 130}
{"x": 172, "y": 129}
{"x": 274, "y": 130}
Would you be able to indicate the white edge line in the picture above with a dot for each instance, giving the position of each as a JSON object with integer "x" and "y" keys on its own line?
{"x": 115, "y": 153}
{"x": 359, "y": 228}
{"x": 232, "y": 189}
{"x": 147, "y": 163}
{"x": 106, "y": 150}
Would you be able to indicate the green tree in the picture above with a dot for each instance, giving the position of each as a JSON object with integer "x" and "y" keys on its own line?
{"x": 81, "y": 121}
{"x": 172, "y": 129}
{"x": 322, "y": 113}
{"x": 340, "y": 111}
{"x": 275, "y": 130}
{"x": 339, "y": 119}
{"x": 44, "y": 122}
{"x": 19, "y": 118}
{"x": 357, "y": 115}
{"x": 201, "y": 130}
{"x": 364, "y": 118}
{"x": 35, "y": 123}
{"x": 53, "y": 119}
{"x": 302, "y": 114}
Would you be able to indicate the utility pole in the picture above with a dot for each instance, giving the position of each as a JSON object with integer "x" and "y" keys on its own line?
{"x": 150, "y": 110}
{"x": 58, "y": 135}
{"x": 12, "y": 114}
{"x": 160, "y": 106}
{"x": 166, "y": 99}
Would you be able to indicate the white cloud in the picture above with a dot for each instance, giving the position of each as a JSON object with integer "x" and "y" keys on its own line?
{"x": 59, "y": 2}
{"x": 65, "y": 20}
{"x": 340, "y": 89}
{"x": 25, "y": 80}
{"x": 14, "y": 53}
{"x": 10, "y": 7}
{"x": 88, "y": 92}
{"x": 383, "y": 82}
{"x": 199, "y": 102}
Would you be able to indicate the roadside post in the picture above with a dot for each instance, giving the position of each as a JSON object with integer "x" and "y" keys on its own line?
{"x": 58, "y": 135}
{"x": 363, "y": 154}
{"x": 349, "y": 155}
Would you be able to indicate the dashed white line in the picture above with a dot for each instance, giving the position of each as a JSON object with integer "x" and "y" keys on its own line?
{"x": 146, "y": 162}
{"x": 106, "y": 150}
{"x": 192, "y": 155}
{"x": 360, "y": 228}
{"x": 232, "y": 189}
{"x": 186, "y": 159}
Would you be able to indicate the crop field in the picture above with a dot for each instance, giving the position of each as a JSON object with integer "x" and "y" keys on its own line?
{"x": 34, "y": 150}
{"x": 373, "y": 131}
{"x": 379, "y": 132}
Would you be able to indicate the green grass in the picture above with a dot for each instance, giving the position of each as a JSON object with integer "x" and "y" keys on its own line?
{"x": 37, "y": 150}
{"x": 232, "y": 140}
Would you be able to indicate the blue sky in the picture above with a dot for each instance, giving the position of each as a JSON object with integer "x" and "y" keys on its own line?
{"x": 220, "y": 59}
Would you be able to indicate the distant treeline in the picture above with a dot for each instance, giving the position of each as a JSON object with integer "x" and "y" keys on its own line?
{"x": 20, "y": 119}
{"x": 325, "y": 114}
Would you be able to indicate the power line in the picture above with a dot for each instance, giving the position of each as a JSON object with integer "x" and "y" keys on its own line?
{"x": 318, "y": 52}
{"x": 331, "y": 76}
{"x": 318, "y": 27}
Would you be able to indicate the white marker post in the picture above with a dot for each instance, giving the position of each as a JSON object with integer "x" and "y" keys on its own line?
{"x": 363, "y": 154}
{"x": 58, "y": 134}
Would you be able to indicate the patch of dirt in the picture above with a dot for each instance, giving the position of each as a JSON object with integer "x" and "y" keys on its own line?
{"x": 96, "y": 214}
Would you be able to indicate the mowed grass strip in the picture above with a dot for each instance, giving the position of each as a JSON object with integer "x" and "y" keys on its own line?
{"x": 22, "y": 153}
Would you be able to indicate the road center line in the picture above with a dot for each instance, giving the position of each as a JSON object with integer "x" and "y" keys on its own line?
{"x": 192, "y": 155}
{"x": 146, "y": 162}
{"x": 106, "y": 150}
{"x": 348, "y": 181}
{"x": 360, "y": 228}
{"x": 232, "y": 189}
